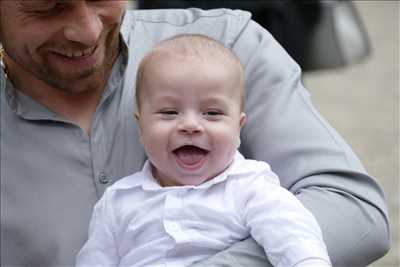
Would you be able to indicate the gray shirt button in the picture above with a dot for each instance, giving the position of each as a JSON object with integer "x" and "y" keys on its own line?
{"x": 103, "y": 178}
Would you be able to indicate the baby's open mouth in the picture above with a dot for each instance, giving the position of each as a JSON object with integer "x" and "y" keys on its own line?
{"x": 190, "y": 155}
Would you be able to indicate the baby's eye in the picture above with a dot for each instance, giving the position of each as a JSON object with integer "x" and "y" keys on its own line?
{"x": 168, "y": 112}
{"x": 213, "y": 113}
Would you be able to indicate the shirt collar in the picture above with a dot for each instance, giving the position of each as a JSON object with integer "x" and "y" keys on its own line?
{"x": 126, "y": 25}
{"x": 24, "y": 106}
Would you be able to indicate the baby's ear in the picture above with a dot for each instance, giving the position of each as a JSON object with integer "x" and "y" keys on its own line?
{"x": 242, "y": 119}
{"x": 137, "y": 117}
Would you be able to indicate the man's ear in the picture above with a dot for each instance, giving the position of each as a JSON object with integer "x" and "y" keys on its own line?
{"x": 242, "y": 119}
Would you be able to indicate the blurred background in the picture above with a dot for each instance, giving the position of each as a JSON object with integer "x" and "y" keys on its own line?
{"x": 362, "y": 102}
{"x": 349, "y": 52}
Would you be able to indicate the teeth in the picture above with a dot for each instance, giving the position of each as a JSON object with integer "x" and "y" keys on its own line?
{"x": 87, "y": 51}
{"x": 78, "y": 54}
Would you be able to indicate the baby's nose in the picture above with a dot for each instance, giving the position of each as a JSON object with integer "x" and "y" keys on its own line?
{"x": 190, "y": 124}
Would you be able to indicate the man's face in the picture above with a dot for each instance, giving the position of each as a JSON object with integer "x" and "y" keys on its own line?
{"x": 190, "y": 119}
{"x": 68, "y": 44}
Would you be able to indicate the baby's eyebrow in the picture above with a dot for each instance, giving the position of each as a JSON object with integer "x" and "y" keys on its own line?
{"x": 167, "y": 98}
{"x": 215, "y": 101}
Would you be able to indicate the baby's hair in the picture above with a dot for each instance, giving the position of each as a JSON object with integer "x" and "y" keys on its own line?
{"x": 190, "y": 47}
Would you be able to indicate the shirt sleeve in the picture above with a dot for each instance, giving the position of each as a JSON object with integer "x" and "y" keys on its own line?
{"x": 288, "y": 232}
{"x": 100, "y": 249}
{"x": 312, "y": 160}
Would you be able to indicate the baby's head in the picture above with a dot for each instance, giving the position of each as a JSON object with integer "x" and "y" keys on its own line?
{"x": 190, "y": 101}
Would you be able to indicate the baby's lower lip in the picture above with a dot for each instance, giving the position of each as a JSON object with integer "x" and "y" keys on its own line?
{"x": 190, "y": 157}
{"x": 193, "y": 166}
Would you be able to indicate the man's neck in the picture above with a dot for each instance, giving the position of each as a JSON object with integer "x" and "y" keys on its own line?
{"x": 78, "y": 107}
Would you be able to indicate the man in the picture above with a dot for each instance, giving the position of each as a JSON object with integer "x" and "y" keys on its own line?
{"x": 67, "y": 128}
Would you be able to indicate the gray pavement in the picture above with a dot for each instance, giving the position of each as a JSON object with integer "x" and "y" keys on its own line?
{"x": 362, "y": 102}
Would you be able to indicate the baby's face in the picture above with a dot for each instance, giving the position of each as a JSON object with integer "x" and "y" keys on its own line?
{"x": 190, "y": 119}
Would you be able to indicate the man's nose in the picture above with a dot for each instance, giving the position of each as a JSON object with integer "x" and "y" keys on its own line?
{"x": 190, "y": 124}
{"x": 84, "y": 26}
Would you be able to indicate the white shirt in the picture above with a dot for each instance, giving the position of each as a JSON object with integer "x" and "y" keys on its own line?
{"x": 139, "y": 223}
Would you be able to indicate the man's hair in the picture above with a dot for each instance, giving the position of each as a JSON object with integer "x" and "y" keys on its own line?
{"x": 190, "y": 46}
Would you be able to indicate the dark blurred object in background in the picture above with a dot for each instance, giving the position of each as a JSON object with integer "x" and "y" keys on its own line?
{"x": 317, "y": 34}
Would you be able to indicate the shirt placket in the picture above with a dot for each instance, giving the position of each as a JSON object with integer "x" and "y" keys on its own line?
{"x": 98, "y": 148}
{"x": 172, "y": 219}
{"x": 99, "y": 142}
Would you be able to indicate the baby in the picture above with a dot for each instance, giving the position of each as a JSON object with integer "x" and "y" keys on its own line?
{"x": 196, "y": 195}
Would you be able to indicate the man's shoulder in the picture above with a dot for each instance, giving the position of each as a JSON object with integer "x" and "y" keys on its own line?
{"x": 182, "y": 17}
{"x": 221, "y": 24}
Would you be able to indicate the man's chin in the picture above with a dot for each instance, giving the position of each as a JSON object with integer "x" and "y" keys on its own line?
{"x": 77, "y": 82}
{"x": 78, "y": 85}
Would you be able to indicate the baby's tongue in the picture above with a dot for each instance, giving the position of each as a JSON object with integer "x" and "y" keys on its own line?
{"x": 190, "y": 154}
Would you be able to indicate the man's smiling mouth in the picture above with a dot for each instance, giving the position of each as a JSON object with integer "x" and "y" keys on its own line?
{"x": 77, "y": 54}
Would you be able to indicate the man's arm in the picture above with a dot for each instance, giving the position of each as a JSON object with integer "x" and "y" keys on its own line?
{"x": 311, "y": 159}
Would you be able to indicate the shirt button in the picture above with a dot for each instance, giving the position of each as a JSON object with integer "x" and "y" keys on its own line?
{"x": 103, "y": 178}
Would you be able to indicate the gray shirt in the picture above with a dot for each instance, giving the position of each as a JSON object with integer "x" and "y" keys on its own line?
{"x": 52, "y": 173}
